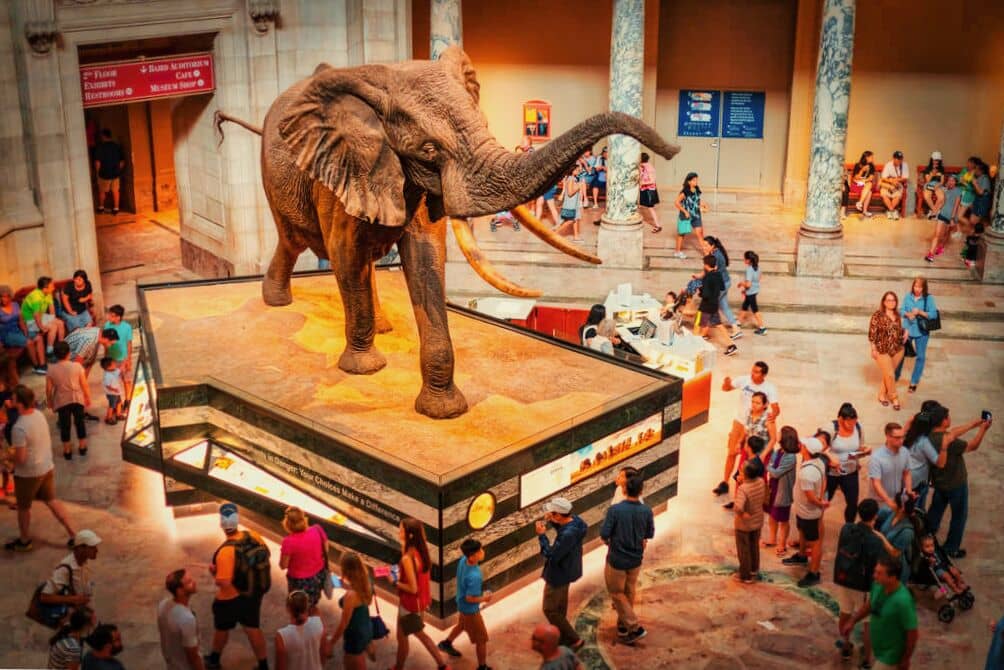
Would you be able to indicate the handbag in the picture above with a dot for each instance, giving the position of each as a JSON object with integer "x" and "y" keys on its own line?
{"x": 50, "y": 616}
{"x": 326, "y": 586}
{"x": 568, "y": 214}
{"x": 380, "y": 630}
{"x": 928, "y": 324}
{"x": 909, "y": 351}
{"x": 683, "y": 227}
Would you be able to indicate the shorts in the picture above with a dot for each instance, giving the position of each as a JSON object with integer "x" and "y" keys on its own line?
{"x": 649, "y": 198}
{"x": 243, "y": 610}
{"x": 312, "y": 586}
{"x": 47, "y": 319}
{"x": 780, "y": 514}
{"x": 64, "y": 414}
{"x": 891, "y": 191}
{"x": 850, "y": 600}
{"x": 710, "y": 319}
{"x": 30, "y": 489}
{"x": 355, "y": 642}
{"x": 550, "y": 193}
{"x": 474, "y": 626}
{"x": 81, "y": 320}
{"x": 601, "y": 185}
{"x": 808, "y": 528}
{"x": 944, "y": 219}
{"x": 14, "y": 339}
{"x": 105, "y": 185}
{"x": 569, "y": 214}
{"x": 749, "y": 304}
{"x": 695, "y": 221}
{"x": 409, "y": 622}
{"x": 981, "y": 206}
{"x": 113, "y": 401}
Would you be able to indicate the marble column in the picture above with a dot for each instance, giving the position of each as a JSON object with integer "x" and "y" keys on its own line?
{"x": 620, "y": 239}
{"x": 446, "y": 26}
{"x": 819, "y": 248}
{"x": 991, "y": 259}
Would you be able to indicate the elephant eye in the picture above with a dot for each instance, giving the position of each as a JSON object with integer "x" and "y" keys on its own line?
{"x": 429, "y": 151}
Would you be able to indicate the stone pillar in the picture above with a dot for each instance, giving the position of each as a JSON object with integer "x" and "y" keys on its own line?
{"x": 446, "y": 26}
{"x": 796, "y": 169}
{"x": 621, "y": 240}
{"x": 991, "y": 259}
{"x": 819, "y": 248}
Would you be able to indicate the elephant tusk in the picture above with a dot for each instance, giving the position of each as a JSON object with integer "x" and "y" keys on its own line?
{"x": 537, "y": 227}
{"x": 481, "y": 265}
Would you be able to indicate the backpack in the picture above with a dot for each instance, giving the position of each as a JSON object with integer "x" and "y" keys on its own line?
{"x": 857, "y": 427}
{"x": 854, "y": 564}
{"x": 51, "y": 616}
{"x": 252, "y": 570}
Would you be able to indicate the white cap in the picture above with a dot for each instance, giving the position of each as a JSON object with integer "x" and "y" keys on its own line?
{"x": 936, "y": 155}
{"x": 86, "y": 538}
{"x": 812, "y": 445}
{"x": 558, "y": 505}
{"x": 229, "y": 518}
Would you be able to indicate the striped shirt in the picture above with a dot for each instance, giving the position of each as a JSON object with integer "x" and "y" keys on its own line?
{"x": 749, "y": 499}
{"x": 65, "y": 653}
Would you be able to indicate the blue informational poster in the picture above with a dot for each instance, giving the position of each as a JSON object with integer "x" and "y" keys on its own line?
{"x": 743, "y": 114}
{"x": 700, "y": 112}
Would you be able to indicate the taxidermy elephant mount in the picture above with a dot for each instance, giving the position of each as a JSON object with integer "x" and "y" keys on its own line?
{"x": 357, "y": 159}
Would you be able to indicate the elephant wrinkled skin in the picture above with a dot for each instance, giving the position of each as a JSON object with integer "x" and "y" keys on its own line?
{"x": 357, "y": 159}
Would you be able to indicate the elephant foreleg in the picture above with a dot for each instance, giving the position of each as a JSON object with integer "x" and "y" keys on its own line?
{"x": 423, "y": 255}
{"x": 354, "y": 272}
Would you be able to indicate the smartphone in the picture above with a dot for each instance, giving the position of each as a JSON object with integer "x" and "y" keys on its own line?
{"x": 986, "y": 414}
{"x": 336, "y": 581}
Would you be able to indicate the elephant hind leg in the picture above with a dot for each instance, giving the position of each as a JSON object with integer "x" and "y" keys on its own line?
{"x": 275, "y": 290}
{"x": 380, "y": 320}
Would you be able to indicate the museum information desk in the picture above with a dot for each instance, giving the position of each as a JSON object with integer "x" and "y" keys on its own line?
{"x": 240, "y": 401}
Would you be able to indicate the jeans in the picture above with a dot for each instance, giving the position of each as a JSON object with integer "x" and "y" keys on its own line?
{"x": 622, "y": 586}
{"x": 555, "y": 608}
{"x": 920, "y": 344}
{"x": 921, "y": 490}
{"x": 723, "y": 306}
{"x": 958, "y": 500}
{"x": 848, "y": 485}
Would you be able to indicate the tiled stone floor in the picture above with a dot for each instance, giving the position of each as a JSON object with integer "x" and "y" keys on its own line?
{"x": 815, "y": 372}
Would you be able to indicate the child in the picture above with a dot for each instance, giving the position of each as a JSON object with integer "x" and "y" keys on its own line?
{"x": 947, "y": 217}
{"x": 571, "y": 205}
{"x": 781, "y": 468}
{"x": 688, "y": 202}
{"x": 711, "y": 288}
{"x": 750, "y": 288}
{"x": 750, "y": 495}
{"x": 469, "y": 599}
{"x": 112, "y": 382}
{"x": 949, "y": 574}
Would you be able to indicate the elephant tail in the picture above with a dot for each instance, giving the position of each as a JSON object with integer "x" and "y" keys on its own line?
{"x": 220, "y": 117}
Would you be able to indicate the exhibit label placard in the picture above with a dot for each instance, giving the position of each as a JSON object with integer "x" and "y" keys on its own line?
{"x": 145, "y": 79}
{"x": 590, "y": 459}
{"x": 743, "y": 114}
{"x": 699, "y": 113}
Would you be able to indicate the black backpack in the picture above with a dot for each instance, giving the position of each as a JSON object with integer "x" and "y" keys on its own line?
{"x": 252, "y": 570}
{"x": 854, "y": 563}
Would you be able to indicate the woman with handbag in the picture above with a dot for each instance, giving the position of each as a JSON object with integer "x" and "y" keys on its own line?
{"x": 413, "y": 592}
{"x": 355, "y": 625}
{"x": 304, "y": 557}
{"x": 887, "y": 337}
{"x": 919, "y": 313}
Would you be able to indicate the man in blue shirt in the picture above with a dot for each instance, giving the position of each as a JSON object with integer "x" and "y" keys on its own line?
{"x": 627, "y": 528}
{"x": 469, "y": 599}
{"x": 562, "y": 565}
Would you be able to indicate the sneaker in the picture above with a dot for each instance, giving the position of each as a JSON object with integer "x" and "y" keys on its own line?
{"x": 929, "y": 258}
{"x": 91, "y": 417}
{"x": 795, "y": 559}
{"x": 810, "y": 579}
{"x": 729, "y": 505}
{"x": 895, "y": 215}
{"x": 679, "y": 254}
{"x": 888, "y": 214}
{"x": 721, "y": 489}
{"x": 932, "y": 215}
{"x": 115, "y": 210}
{"x": 448, "y": 647}
{"x": 760, "y": 331}
{"x": 731, "y": 350}
{"x": 635, "y": 635}
{"x": 40, "y": 370}
{"x": 859, "y": 207}
{"x": 18, "y": 545}
{"x": 736, "y": 334}
{"x": 515, "y": 226}
{"x": 939, "y": 251}
{"x": 101, "y": 210}
{"x": 210, "y": 664}
{"x": 868, "y": 215}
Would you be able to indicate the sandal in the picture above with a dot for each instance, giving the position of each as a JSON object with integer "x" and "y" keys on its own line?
{"x": 896, "y": 406}
{"x": 82, "y": 452}
{"x": 68, "y": 455}
{"x": 657, "y": 229}
{"x": 884, "y": 403}
{"x": 780, "y": 551}
{"x": 912, "y": 389}
{"x": 768, "y": 544}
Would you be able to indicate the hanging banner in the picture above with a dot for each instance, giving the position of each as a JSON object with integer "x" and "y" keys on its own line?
{"x": 699, "y": 113}
{"x": 743, "y": 114}
{"x": 145, "y": 79}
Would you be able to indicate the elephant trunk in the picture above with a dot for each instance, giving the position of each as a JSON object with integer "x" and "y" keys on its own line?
{"x": 501, "y": 180}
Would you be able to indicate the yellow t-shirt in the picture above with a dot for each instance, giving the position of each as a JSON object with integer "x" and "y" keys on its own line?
{"x": 225, "y": 563}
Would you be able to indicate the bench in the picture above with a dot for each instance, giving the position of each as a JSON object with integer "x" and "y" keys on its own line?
{"x": 920, "y": 204}
{"x": 854, "y": 191}
{"x": 10, "y": 356}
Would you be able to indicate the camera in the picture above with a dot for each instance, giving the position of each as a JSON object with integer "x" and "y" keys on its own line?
{"x": 986, "y": 415}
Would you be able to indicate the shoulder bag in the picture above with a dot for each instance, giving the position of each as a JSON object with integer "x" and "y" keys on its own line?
{"x": 50, "y": 616}
{"x": 380, "y": 630}
{"x": 326, "y": 586}
{"x": 928, "y": 324}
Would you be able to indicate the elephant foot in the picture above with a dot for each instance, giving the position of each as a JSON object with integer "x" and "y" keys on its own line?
{"x": 276, "y": 293}
{"x": 361, "y": 362}
{"x": 382, "y": 324}
{"x": 441, "y": 404}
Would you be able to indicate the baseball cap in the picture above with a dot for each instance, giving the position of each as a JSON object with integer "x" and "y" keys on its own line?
{"x": 558, "y": 505}
{"x": 897, "y": 154}
{"x": 812, "y": 445}
{"x": 936, "y": 155}
{"x": 228, "y": 516}
{"x": 86, "y": 538}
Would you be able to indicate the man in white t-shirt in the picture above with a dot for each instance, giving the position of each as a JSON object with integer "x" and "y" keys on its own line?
{"x": 747, "y": 385}
{"x": 892, "y": 186}
{"x": 179, "y": 631}
{"x": 809, "y": 503}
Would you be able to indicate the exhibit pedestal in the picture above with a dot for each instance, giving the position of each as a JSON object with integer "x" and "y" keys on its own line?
{"x": 621, "y": 243}
{"x": 238, "y": 401}
{"x": 819, "y": 252}
{"x": 990, "y": 262}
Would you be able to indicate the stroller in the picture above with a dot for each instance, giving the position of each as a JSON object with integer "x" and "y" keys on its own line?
{"x": 923, "y": 575}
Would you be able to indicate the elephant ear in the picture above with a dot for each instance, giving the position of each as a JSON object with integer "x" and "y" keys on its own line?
{"x": 337, "y": 137}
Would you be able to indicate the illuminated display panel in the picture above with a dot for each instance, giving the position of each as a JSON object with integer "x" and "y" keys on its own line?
{"x": 590, "y": 459}
{"x": 139, "y": 420}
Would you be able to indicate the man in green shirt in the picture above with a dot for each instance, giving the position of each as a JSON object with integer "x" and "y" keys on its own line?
{"x": 39, "y": 314}
{"x": 893, "y": 623}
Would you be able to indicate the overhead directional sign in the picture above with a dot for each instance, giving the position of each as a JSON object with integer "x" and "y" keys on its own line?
{"x": 147, "y": 78}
